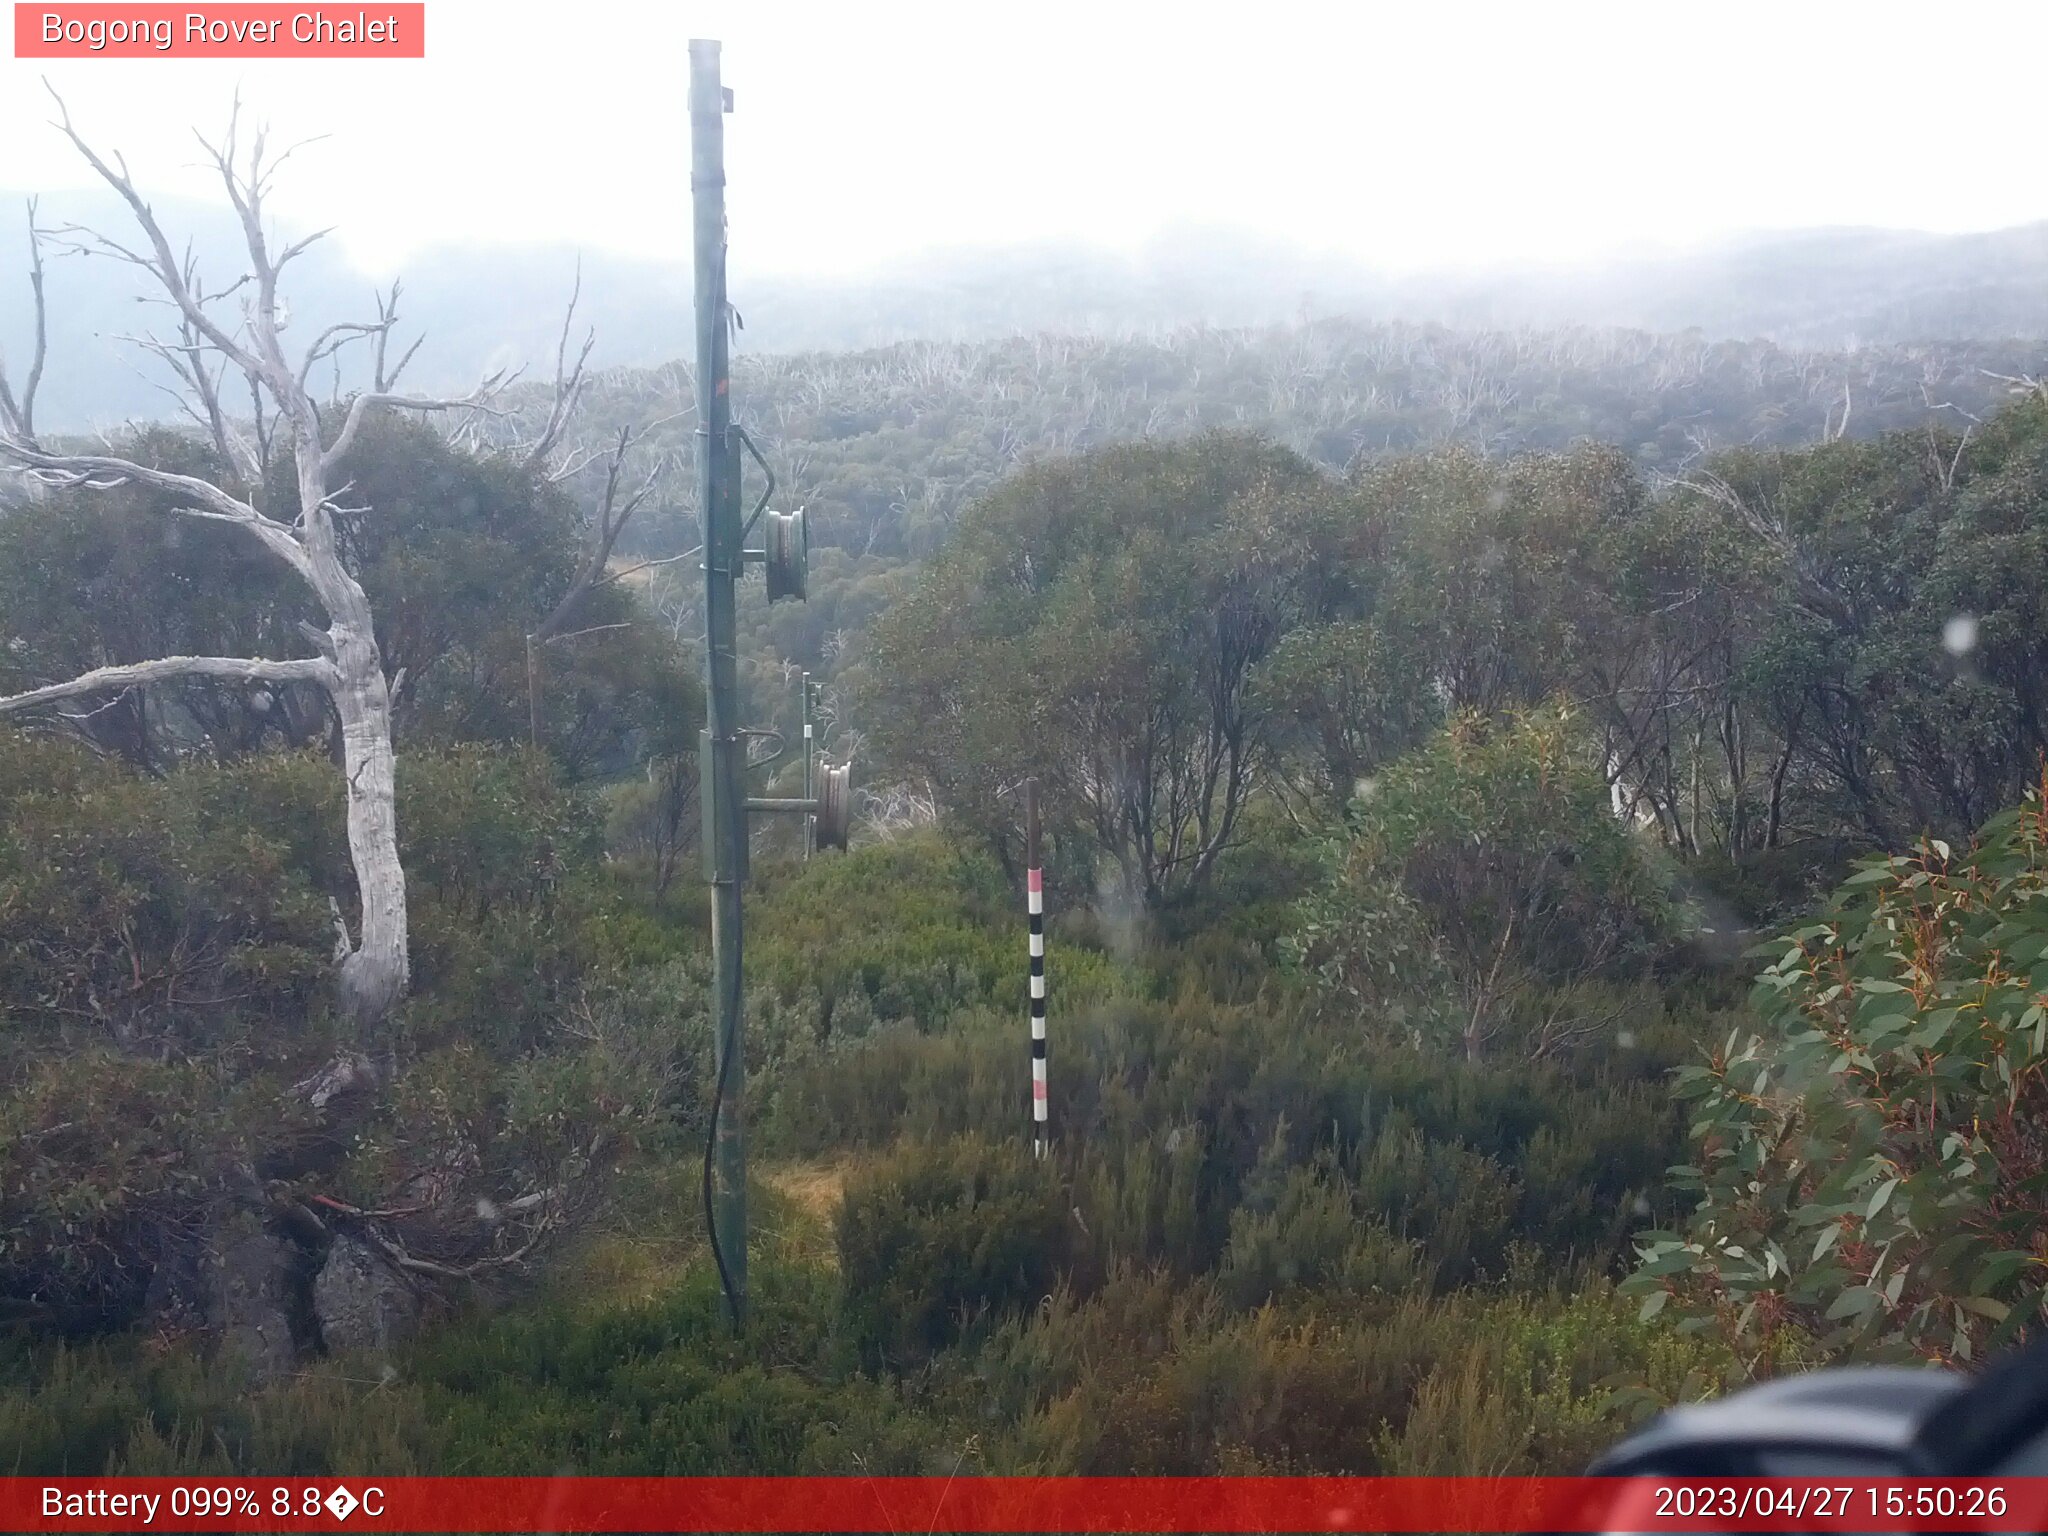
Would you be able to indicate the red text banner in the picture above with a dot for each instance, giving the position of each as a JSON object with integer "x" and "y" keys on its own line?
{"x": 975, "y": 1504}
{"x": 235, "y": 31}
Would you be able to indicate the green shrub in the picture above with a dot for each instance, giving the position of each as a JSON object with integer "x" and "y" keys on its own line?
{"x": 1773, "y": 886}
{"x": 1311, "y": 1241}
{"x": 158, "y": 913}
{"x": 1480, "y": 868}
{"x": 167, "y": 943}
{"x": 915, "y": 930}
{"x": 174, "y": 947}
{"x": 1155, "y": 1377}
{"x": 938, "y": 1239}
{"x": 1868, "y": 1167}
{"x": 1457, "y": 1204}
{"x": 657, "y": 1389}
{"x": 1162, "y": 1113}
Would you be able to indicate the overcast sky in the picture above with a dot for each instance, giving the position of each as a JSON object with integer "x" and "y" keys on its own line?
{"x": 1409, "y": 135}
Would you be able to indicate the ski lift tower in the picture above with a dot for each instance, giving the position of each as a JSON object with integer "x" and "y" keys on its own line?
{"x": 724, "y": 802}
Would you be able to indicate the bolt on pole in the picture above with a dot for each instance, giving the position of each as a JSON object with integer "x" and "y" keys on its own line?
{"x": 722, "y": 788}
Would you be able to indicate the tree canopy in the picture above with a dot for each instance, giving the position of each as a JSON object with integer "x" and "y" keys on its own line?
{"x": 1100, "y": 622}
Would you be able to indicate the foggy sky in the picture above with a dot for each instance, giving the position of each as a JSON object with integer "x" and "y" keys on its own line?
{"x": 1406, "y": 136}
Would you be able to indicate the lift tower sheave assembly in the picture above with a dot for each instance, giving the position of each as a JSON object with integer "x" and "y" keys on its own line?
{"x": 723, "y": 827}
{"x": 724, "y": 802}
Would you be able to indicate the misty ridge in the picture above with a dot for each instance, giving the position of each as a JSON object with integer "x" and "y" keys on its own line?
{"x": 489, "y": 307}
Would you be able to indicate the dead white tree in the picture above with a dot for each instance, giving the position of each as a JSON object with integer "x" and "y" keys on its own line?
{"x": 895, "y": 809}
{"x": 372, "y": 965}
{"x": 603, "y": 525}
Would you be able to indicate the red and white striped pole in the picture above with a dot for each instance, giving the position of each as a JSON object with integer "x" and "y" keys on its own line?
{"x": 1034, "y": 887}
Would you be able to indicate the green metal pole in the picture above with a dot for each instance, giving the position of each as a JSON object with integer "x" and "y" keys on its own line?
{"x": 722, "y": 787}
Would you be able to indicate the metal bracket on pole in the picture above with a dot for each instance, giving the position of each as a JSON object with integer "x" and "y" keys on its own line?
{"x": 830, "y": 809}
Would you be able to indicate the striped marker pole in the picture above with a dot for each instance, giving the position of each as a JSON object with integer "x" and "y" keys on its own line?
{"x": 810, "y": 789}
{"x": 1034, "y": 886}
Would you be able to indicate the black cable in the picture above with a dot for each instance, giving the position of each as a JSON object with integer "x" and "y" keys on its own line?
{"x": 726, "y": 1050}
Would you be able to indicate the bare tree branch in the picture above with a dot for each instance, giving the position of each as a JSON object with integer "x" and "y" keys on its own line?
{"x": 245, "y": 192}
{"x": 331, "y": 341}
{"x": 312, "y": 669}
{"x": 612, "y": 517}
{"x": 2019, "y": 383}
{"x": 105, "y": 471}
{"x": 1834, "y": 431}
{"x": 18, "y": 416}
{"x": 568, "y": 381}
{"x": 163, "y": 266}
{"x": 578, "y": 634}
{"x": 477, "y": 399}
{"x": 646, "y": 565}
{"x": 198, "y": 396}
{"x": 1814, "y": 588}
{"x": 382, "y": 380}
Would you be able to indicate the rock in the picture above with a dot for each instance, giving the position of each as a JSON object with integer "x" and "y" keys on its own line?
{"x": 361, "y": 1302}
{"x": 251, "y": 1275}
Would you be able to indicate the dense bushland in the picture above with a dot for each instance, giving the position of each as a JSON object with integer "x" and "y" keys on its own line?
{"x": 1229, "y": 1166}
{"x": 1407, "y": 831}
{"x": 168, "y": 939}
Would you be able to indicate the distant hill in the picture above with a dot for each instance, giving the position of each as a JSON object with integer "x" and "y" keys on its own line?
{"x": 1822, "y": 288}
{"x": 1828, "y": 289}
{"x": 484, "y": 307}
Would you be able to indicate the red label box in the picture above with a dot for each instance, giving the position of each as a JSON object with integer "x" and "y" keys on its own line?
{"x": 236, "y": 31}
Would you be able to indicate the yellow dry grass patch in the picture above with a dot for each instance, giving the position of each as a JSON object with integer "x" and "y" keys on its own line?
{"x": 658, "y": 1232}
{"x": 653, "y": 1231}
{"x": 805, "y": 1207}
{"x": 615, "y": 1270}
{"x": 816, "y": 1187}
